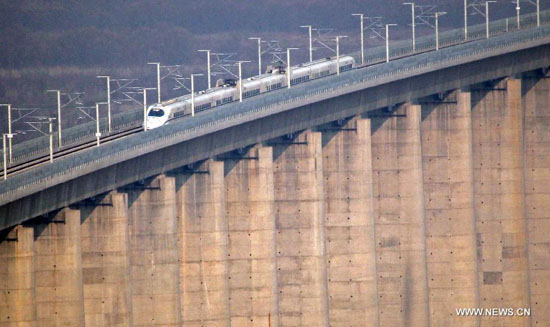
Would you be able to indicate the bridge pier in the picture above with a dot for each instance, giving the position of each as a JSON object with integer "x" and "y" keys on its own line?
{"x": 17, "y": 279}
{"x": 349, "y": 224}
{"x": 154, "y": 254}
{"x": 497, "y": 123}
{"x": 299, "y": 212}
{"x": 105, "y": 261}
{"x": 249, "y": 204}
{"x": 448, "y": 204}
{"x": 58, "y": 270}
{"x": 203, "y": 244}
{"x": 399, "y": 217}
{"x": 536, "y": 103}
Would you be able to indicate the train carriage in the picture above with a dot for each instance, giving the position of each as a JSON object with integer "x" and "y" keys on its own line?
{"x": 163, "y": 113}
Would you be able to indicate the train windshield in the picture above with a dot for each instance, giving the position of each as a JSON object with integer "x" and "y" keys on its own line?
{"x": 156, "y": 112}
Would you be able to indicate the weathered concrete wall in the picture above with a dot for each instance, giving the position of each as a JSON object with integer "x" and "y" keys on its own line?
{"x": 105, "y": 261}
{"x": 349, "y": 224}
{"x": 394, "y": 220}
{"x": 399, "y": 218}
{"x": 251, "y": 254}
{"x": 536, "y": 119}
{"x": 58, "y": 271}
{"x": 17, "y": 279}
{"x": 154, "y": 253}
{"x": 299, "y": 213}
{"x": 497, "y": 132}
{"x": 448, "y": 204}
{"x": 203, "y": 244}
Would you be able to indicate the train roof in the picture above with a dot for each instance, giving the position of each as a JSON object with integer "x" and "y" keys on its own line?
{"x": 188, "y": 96}
{"x": 263, "y": 77}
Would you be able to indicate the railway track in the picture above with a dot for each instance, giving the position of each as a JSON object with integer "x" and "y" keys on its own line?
{"x": 21, "y": 167}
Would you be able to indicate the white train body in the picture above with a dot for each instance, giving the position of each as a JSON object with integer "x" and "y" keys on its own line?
{"x": 163, "y": 113}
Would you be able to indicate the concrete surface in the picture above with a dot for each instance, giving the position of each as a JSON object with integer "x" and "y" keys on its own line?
{"x": 394, "y": 218}
{"x": 58, "y": 271}
{"x": 399, "y": 218}
{"x": 116, "y": 164}
{"x": 203, "y": 234}
{"x": 154, "y": 254}
{"x": 536, "y": 101}
{"x": 448, "y": 204}
{"x": 251, "y": 253}
{"x": 299, "y": 213}
{"x": 349, "y": 224}
{"x": 17, "y": 279}
{"x": 497, "y": 138}
{"x": 105, "y": 261}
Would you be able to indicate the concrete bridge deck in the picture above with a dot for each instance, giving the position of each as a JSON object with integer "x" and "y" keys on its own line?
{"x": 335, "y": 211}
{"x": 210, "y": 133}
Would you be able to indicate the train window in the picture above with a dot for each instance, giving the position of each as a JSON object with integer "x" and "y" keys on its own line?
{"x": 299, "y": 80}
{"x": 156, "y": 112}
{"x": 224, "y": 101}
{"x": 321, "y": 74}
{"x": 251, "y": 93}
{"x": 203, "y": 107}
{"x": 274, "y": 86}
{"x": 179, "y": 114}
{"x": 346, "y": 67}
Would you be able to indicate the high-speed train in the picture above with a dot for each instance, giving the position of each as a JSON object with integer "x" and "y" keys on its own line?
{"x": 225, "y": 92}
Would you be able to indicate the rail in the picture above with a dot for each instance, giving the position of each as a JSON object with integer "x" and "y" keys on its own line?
{"x": 265, "y": 105}
{"x": 38, "y": 148}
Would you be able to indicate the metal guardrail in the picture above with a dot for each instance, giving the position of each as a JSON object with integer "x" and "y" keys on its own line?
{"x": 82, "y": 133}
{"x": 76, "y": 135}
{"x": 264, "y": 105}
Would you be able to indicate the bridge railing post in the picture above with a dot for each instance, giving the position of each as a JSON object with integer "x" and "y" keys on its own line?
{"x": 50, "y": 130}
{"x": 5, "y": 155}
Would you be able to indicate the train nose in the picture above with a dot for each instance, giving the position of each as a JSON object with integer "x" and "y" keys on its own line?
{"x": 154, "y": 123}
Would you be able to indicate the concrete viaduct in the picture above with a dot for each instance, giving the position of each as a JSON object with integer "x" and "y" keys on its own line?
{"x": 388, "y": 196}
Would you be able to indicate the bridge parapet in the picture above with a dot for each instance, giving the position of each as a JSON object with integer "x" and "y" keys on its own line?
{"x": 92, "y": 171}
{"x": 86, "y": 132}
{"x": 267, "y": 104}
